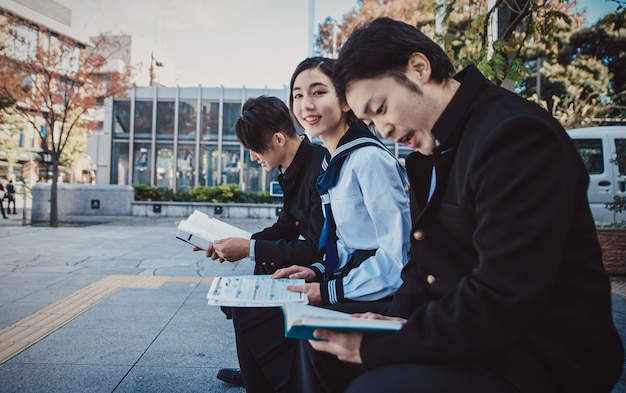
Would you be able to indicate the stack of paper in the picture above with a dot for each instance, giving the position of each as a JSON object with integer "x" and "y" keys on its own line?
{"x": 253, "y": 291}
{"x": 201, "y": 230}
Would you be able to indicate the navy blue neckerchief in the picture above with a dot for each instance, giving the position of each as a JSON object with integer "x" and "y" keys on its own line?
{"x": 357, "y": 136}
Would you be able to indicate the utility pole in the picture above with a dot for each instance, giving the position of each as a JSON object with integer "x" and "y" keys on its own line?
{"x": 492, "y": 34}
{"x": 311, "y": 23}
{"x": 440, "y": 10}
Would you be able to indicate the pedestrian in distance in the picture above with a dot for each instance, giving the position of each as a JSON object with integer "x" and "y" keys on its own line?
{"x": 2, "y": 194}
{"x": 10, "y": 195}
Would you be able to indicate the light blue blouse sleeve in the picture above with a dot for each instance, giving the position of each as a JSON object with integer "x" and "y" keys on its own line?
{"x": 384, "y": 187}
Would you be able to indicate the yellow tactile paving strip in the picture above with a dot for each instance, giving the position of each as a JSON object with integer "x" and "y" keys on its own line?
{"x": 22, "y": 334}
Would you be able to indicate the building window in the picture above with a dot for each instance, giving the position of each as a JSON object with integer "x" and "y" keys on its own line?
{"x": 208, "y": 165}
{"x": 252, "y": 173}
{"x": 143, "y": 164}
{"x": 121, "y": 116}
{"x": 187, "y": 115}
{"x": 143, "y": 119}
{"x": 119, "y": 160}
{"x": 184, "y": 167}
{"x": 21, "y": 43}
{"x": 206, "y": 156}
{"x": 231, "y": 114}
{"x": 231, "y": 164}
{"x": 210, "y": 120}
{"x": 165, "y": 120}
{"x": 165, "y": 166}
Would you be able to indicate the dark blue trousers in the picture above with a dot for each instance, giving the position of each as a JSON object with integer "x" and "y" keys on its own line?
{"x": 265, "y": 355}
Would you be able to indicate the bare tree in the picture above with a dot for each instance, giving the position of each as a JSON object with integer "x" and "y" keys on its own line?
{"x": 52, "y": 81}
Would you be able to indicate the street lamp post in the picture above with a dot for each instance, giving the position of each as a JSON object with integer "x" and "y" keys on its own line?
{"x": 153, "y": 63}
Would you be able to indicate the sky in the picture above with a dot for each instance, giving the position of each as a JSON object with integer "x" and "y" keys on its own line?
{"x": 232, "y": 43}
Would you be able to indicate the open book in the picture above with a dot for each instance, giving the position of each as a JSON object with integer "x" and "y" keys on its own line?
{"x": 301, "y": 320}
{"x": 253, "y": 291}
{"x": 201, "y": 230}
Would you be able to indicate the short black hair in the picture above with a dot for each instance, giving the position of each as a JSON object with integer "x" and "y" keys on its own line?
{"x": 383, "y": 47}
{"x": 260, "y": 118}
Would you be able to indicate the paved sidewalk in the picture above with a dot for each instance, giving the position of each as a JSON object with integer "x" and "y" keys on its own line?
{"x": 117, "y": 304}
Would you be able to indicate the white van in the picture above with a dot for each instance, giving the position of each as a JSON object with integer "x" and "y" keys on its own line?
{"x": 599, "y": 147}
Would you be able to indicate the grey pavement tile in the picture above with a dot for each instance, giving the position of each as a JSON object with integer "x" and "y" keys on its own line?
{"x": 134, "y": 309}
{"x": 190, "y": 271}
{"x": 36, "y": 278}
{"x": 197, "y": 315}
{"x": 12, "y": 291}
{"x": 159, "y": 263}
{"x": 55, "y": 378}
{"x": 174, "y": 379}
{"x": 103, "y": 346}
{"x": 7, "y": 267}
{"x": 59, "y": 267}
{"x": 11, "y": 312}
{"x": 217, "y": 269}
{"x": 124, "y": 318}
{"x": 80, "y": 279}
{"x": 48, "y": 294}
{"x": 192, "y": 348}
{"x": 205, "y": 318}
{"x": 169, "y": 295}
{"x": 99, "y": 262}
{"x": 107, "y": 271}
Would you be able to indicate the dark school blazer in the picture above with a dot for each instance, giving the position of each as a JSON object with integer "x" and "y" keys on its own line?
{"x": 505, "y": 268}
{"x": 278, "y": 246}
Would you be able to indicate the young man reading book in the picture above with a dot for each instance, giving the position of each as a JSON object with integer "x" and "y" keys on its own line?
{"x": 267, "y": 129}
{"x": 505, "y": 289}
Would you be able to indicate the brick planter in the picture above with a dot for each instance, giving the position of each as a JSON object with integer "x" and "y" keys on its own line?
{"x": 613, "y": 244}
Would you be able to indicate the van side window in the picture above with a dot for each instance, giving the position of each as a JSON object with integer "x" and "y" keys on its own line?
{"x": 620, "y": 150}
{"x": 591, "y": 152}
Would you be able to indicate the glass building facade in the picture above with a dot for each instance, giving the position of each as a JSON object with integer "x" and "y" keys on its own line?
{"x": 178, "y": 138}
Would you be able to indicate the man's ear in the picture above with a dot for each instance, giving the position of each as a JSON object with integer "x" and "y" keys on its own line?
{"x": 418, "y": 67}
{"x": 280, "y": 139}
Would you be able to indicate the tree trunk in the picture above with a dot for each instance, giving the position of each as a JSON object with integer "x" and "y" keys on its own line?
{"x": 54, "y": 214}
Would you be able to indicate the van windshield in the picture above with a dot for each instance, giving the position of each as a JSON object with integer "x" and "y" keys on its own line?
{"x": 591, "y": 152}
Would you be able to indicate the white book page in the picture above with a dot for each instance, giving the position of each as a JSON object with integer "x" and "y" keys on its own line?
{"x": 306, "y": 315}
{"x": 209, "y": 228}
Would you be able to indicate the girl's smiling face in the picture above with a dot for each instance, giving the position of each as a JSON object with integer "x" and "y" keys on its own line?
{"x": 315, "y": 104}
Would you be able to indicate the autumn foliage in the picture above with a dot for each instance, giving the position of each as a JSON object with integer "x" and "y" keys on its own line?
{"x": 53, "y": 81}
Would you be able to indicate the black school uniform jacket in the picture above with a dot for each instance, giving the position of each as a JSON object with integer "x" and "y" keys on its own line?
{"x": 505, "y": 267}
{"x": 279, "y": 245}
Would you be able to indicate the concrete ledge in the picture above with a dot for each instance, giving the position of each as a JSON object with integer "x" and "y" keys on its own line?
{"x": 83, "y": 200}
{"x": 218, "y": 210}
{"x": 114, "y": 200}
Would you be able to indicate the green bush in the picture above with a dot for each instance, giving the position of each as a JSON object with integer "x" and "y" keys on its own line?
{"x": 148, "y": 193}
{"x": 225, "y": 193}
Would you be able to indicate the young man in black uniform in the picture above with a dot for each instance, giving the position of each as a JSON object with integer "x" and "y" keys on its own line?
{"x": 505, "y": 289}
{"x": 267, "y": 129}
